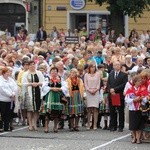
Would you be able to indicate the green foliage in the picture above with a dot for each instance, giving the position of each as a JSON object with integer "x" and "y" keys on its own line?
{"x": 133, "y": 8}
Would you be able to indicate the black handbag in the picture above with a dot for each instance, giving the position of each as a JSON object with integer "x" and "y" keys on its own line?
{"x": 63, "y": 99}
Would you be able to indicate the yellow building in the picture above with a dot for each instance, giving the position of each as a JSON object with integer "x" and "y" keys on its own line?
{"x": 76, "y": 14}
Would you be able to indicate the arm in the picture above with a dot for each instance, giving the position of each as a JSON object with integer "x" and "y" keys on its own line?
{"x": 86, "y": 82}
{"x": 98, "y": 82}
{"x": 19, "y": 80}
{"x": 45, "y": 88}
{"x": 6, "y": 90}
{"x": 25, "y": 82}
{"x": 121, "y": 86}
{"x": 64, "y": 88}
{"x": 41, "y": 79}
{"x": 108, "y": 83}
{"x": 129, "y": 99}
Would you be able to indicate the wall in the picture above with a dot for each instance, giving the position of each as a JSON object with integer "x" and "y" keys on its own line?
{"x": 59, "y": 18}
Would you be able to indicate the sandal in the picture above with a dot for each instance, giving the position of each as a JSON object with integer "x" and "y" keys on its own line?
{"x": 35, "y": 129}
{"x": 138, "y": 142}
{"x": 133, "y": 141}
{"x": 30, "y": 129}
{"x": 45, "y": 131}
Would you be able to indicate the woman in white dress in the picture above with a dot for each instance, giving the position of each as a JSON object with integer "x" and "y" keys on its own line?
{"x": 32, "y": 82}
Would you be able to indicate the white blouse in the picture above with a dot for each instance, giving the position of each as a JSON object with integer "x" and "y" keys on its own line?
{"x": 129, "y": 99}
{"x": 7, "y": 89}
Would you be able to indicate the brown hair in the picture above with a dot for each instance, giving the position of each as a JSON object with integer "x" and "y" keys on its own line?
{"x": 145, "y": 73}
{"x": 4, "y": 70}
{"x": 30, "y": 62}
{"x": 135, "y": 79}
{"x": 54, "y": 68}
{"x": 90, "y": 66}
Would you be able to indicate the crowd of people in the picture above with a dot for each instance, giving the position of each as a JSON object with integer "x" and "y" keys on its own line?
{"x": 48, "y": 79}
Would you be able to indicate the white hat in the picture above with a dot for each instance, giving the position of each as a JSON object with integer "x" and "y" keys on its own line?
{"x": 40, "y": 56}
{"x": 128, "y": 56}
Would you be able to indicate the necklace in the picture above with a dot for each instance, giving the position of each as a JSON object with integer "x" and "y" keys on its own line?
{"x": 74, "y": 81}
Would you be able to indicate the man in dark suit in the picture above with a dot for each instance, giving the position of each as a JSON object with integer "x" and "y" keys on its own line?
{"x": 115, "y": 85}
{"x": 41, "y": 34}
{"x": 112, "y": 36}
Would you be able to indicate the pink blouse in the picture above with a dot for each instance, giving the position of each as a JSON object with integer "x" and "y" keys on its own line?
{"x": 92, "y": 81}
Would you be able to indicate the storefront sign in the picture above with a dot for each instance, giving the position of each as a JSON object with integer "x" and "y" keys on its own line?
{"x": 77, "y": 4}
{"x": 72, "y": 39}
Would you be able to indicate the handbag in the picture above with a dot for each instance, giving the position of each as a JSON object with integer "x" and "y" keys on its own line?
{"x": 115, "y": 99}
{"x": 63, "y": 99}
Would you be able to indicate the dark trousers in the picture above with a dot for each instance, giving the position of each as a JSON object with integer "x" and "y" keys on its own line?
{"x": 116, "y": 112}
{"x": 5, "y": 110}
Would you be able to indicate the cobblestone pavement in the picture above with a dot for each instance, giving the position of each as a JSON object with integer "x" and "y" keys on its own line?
{"x": 22, "y": 139}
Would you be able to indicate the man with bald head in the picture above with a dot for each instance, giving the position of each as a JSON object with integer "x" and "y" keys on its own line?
{"x": 115, "y": 85}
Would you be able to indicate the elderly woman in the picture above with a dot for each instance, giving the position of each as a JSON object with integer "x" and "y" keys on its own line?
{"x": 118, "y": 56}
{"x": 134, "y": 99}
{"x": 75, "y": 104}
{"x": 52, "y": 92}
{"x": 7, "y": 96}
{"x": 92, "y": 86}
{"x": 32, "y": 82}
{"x": 128, "y": 64}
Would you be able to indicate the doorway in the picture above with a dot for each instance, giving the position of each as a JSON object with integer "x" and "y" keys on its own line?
{"x": 10, "y": 14}
{"x": 78, "y": 21}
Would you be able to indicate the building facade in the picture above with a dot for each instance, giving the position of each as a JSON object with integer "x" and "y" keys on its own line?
{"x": 66, "y": 14}
{"x": 71, "y": 14}
{"x": 14, "y": 13}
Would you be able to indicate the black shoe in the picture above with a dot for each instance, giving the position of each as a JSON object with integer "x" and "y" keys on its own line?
{"x": 72, "y": 129}
{"x": 120, "y": 130}
{"x": 12, "y": 128}
{"x": 113, "y": 129}
{"x": 60, "y": 127}
{"x": 7, "y": 130}
{"x": 105, "y": 128}
{"x": 91, "y": 127}
{"x": 99, "y": 127}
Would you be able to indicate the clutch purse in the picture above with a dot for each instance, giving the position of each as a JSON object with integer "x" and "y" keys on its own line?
{"x": 115, "y": 99}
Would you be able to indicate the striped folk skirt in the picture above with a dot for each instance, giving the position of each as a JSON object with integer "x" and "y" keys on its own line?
{"x": 52, "y": 102}
{"x": 75, "y": 104}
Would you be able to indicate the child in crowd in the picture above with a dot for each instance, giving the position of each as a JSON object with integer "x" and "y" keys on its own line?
{"x": 104, "y": 105}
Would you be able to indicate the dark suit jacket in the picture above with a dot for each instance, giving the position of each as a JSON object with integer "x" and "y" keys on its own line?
{"x": 118, "y": 84}
{"x": 38, "y": 35}
{"x": 112, "y": 38}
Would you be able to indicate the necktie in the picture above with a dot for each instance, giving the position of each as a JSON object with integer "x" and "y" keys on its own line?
{"x": 116, "y": 75}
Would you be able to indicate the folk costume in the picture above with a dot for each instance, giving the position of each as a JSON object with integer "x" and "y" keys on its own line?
{"x": 52, "y": 105}
{"x": 76, "y": 92}
{"x": 104, "y": 105}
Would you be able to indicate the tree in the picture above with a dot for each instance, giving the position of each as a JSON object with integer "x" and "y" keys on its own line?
{"x": 119, "y": 8}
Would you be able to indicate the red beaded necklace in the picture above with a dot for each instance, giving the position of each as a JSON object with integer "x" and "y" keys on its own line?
{"x": 74, "y": 81}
